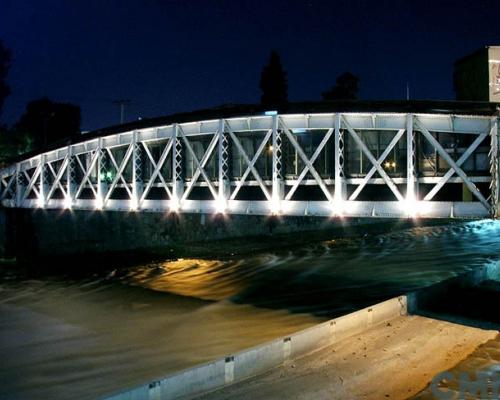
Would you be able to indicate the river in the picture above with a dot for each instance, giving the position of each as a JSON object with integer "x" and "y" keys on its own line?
{"x": 79, "y": 337}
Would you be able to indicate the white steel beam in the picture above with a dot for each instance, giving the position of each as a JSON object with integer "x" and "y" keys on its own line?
{"x": 378, "y": 162}
{"x": 31, "y": 182}
{"x": 8, "y": 186}
{"x": 340, "y": 193}
{"x": 177, "y": 170}
{"x": 119, "y": 173}
{"x": 411, "y": 180}
{"x": 200, "y": 166}
{"x": 277, "y": 165}
{"x": 157, "y": 170}
{"x": 86, "y": 175}
{"x": 20, "y": 186}
{"x": 57, "y": 178}
{"x": 446, "y": 177}
{"x": 250, "y": 164}
{"x": 42, "y": 189}
{"x": 70, "y": 178}
{"x": 453, "y": 164}
{"x": 372, "y": 159}
{"x": 137, "y": 184}
{"x": 315, "y": 155}
{"x": 223, "y": 167}
{"x": 306, "y": 161}
{"x": 102, "y": 186}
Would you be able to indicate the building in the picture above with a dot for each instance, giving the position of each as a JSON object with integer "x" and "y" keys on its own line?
{"x": 476, "y": 77}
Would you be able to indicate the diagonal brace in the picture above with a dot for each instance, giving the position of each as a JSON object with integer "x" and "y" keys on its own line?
{"x": 372, "y": 159}
{"x": 380, "y": 160}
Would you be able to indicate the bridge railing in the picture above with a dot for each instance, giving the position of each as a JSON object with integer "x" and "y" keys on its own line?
{"x": 338, "y": 164}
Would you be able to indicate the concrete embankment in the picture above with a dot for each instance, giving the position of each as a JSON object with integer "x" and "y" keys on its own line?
{"x": 395, "y": 360}
{"x": 249, "y": 363}
{"x": 38, "y": 233}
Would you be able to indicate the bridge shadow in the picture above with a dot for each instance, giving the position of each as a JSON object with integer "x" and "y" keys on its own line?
{"x": 475, "y": 305}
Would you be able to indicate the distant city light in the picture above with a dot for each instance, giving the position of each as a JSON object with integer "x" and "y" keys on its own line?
{"x": 108, "y": 175}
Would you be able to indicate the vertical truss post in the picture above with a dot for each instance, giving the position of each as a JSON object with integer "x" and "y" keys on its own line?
{"x": 177, "y": 180}
{"x": 43, "y": 178}
{"x": 102, "y": 170}
{"x": 137, "y": 183}
{"x": 223, "y": 155}
{"x": 70, "y": 178}
{"x": 410, "y": 160}
{"x": 277, "y": 164}
{"x": 494, "y": 168}
{"x": 340, "y": 186}
{"x": 20, "y": 186}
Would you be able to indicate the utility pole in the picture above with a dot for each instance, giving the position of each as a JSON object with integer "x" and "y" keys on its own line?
{"x": 122, "y": 103}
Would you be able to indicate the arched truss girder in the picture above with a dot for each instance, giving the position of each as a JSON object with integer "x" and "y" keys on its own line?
{"x": 78, "y": 176}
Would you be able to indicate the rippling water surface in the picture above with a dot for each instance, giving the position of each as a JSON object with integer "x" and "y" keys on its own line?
{"x": 63, "y": 337}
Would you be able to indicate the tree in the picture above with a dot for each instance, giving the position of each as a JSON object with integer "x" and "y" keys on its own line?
{"x": 273, "y": 82}
{"x": 5, "y": 57}
{"x": 345, "y": 89}
{"x": 47, "y": 122}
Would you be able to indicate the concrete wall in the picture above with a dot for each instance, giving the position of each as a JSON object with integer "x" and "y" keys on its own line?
{"x": 420, "y": 299}
{"x": 57, "y": 232}
{"x": 248, "y": 363}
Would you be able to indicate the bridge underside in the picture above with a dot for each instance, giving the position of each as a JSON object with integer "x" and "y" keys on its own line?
{"x": 338, "y": 164}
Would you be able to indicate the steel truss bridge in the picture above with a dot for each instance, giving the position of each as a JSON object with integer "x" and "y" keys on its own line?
{"x": 359, "y": 164}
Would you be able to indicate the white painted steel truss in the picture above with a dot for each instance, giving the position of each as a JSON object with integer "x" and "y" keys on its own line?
{"x": 121, "y": 171}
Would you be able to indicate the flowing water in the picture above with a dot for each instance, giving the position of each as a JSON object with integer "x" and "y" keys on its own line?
{"x": 64, "y": 337}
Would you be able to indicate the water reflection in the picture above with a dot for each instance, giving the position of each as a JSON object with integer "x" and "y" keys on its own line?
{"x": 331, "y": 277}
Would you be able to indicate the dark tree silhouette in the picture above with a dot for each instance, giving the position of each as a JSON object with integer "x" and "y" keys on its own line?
{"x": 5, "y": 57}
{"x": 273, "y": 82}
{"x": 345, "y": 89}
{"x": 47, "y": 122}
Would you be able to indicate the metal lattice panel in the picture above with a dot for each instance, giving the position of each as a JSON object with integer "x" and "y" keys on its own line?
{"x": 72, "y": 170}
{"x": 178, "y": 160}
{"x": 278, "y": 166}
{"x": 341, "y": 154}
{"x": 224, "y": 156}
{"x": 138, "y": 162}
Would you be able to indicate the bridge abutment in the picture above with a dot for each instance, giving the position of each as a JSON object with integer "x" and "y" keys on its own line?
{"x": 32, "y": 233}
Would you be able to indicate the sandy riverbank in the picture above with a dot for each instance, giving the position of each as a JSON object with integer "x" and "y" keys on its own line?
{"x": 395, "y": 360}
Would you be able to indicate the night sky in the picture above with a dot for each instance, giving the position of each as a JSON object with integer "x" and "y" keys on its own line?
{"x": 173, "y": 56}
